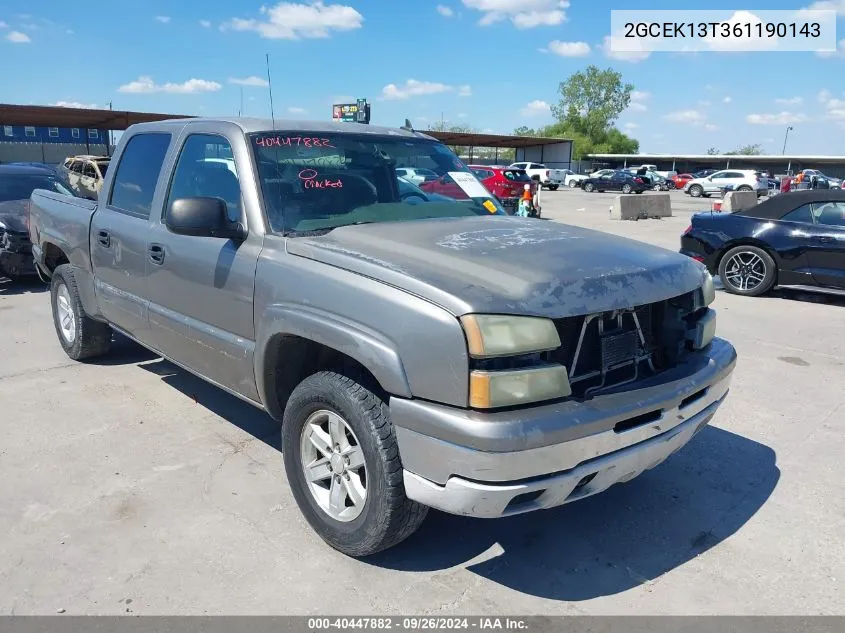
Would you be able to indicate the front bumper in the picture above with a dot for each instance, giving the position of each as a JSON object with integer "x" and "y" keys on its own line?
{"x": 16, "y": 264}
{"x": 498, "y": 464}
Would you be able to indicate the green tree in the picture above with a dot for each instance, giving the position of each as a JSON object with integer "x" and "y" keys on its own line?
{"x": 524, "y": 130}
{"x": 712, "y": 151}
{"x": 592, "y": 100}
{"x": 747, "y": 150}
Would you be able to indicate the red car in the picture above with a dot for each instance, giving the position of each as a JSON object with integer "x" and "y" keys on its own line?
{"x": 504, "y": 183}
{"x": 681, "y": 180}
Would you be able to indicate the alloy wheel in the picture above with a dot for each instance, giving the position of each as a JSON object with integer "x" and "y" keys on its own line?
{"x": 745, "y": 271}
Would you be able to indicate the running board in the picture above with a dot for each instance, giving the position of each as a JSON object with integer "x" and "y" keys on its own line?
{"x": 821, "y": 289}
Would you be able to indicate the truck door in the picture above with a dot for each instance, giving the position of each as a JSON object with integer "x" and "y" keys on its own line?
{"x": 119, "y": 232}
{"x": 201, "y": 289}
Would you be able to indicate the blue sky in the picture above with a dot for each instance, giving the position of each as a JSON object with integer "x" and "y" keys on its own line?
{"x": 491, "y": 64}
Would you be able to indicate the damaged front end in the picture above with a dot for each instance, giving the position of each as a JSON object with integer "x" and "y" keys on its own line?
{"x": 15, "y": 246}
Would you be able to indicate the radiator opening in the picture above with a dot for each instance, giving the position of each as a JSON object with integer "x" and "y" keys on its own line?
{"x": 523, "y": 499}
{"x": 698, "y": 395}
{"x": 638, "y": 420}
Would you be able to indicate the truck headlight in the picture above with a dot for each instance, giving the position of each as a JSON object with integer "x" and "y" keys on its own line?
{"x": 492, "y": 335}
{"x": 492, "y": 389}
{"x": 708, "y": 290}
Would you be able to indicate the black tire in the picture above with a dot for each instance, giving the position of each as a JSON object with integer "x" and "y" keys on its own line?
{"x": 588, "y": 187}
{"x": 657, "y": 187}
{"x": 553, "y": 187}
{"x": 744, "y": 188}
{"x": 696, "y": 191}
{"x": 626, "y": 188}
{"x": 729, "y": 282}
{"x": 573, "y": 184}
{"x": 91, "y": 338}
{"x": 639, "y": 191}
{"x": 388, "y": 516}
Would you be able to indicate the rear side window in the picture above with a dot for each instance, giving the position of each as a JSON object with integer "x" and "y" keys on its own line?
{"x": 516, "y": 175}
{"x": 137, "y": 173}
{"x": 804, "y": 213}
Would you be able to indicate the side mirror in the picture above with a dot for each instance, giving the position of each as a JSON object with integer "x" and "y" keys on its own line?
{"x": 203, "y": 217}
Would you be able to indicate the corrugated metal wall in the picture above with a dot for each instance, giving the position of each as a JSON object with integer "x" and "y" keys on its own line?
{"x": 51, "y": 153}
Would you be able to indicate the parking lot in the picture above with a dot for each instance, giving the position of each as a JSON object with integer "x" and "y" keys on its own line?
{"x": 129, "y": 486}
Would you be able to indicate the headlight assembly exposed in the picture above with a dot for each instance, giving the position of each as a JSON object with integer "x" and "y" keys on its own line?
{"x": 493, "y": 335}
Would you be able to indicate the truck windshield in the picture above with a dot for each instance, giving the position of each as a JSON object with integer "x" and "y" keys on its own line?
{"x": 317, "y": 181}
{"x": 21, "y": 186}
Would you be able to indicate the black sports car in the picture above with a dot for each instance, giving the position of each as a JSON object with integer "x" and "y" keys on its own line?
{"x": 790, "y": 240}
{"x": 623, "y": 181}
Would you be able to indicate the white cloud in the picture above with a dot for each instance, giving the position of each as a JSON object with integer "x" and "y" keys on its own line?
{"x": 704, "y": 104}
{"x": 691, "y": 117}
{"x": 780, "y": 118}
{"x": 839, "y": 52}
{"x": 293, "y": 110}
{"x": 569, "y": 49}
{"x": 718, "y": 42}
{"x": 710, "y": 127}
{"x": 291, "y": 21}
{"x": 835, "y": 5}
{"x": 415, "y": 88}
{"x": 257, "y": 82}
{"x": 524, "y": 14}
{"x": 834, "y": 108}
{"x": 623, "y": 56}
{"x": 727, "y": 100}
{"x": 3, "y": 25}
{"x": 535, "y": 108}
{"x": 825, "y": 96}
{"x": 465, "y": 91}
{"x": 631, "y": 126}
{"x": 206, "y": 24}
{"x": 146, "y": 85}
{"x": 445, "y": 11}
{"x": 18, "y": 38}
{"x": 76, "y": 104}
{"x": 791, "y": 101}
{"x": 638, "y": 99}
{"x": 164, "y": 19}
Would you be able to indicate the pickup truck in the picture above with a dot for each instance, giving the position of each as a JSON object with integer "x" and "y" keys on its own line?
{"x": 417, "y": 351}
{"x": 548, "y": 178}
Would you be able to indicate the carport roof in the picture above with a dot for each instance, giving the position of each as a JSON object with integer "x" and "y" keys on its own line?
{"x": 762, "y": 158}
{"x": 52, "y": 116}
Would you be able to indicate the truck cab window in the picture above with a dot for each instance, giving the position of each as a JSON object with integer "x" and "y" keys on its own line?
{"x": 206, "y": 169}
{"x": 137, "y": 173}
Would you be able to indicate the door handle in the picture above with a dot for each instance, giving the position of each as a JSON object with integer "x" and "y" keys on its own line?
{"x": 157, "y": 254}
{"x": 104, "y": 238}
{"x": 824, "y": 238}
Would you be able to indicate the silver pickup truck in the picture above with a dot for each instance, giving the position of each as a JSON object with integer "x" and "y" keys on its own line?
{"x": 420, "y": 350}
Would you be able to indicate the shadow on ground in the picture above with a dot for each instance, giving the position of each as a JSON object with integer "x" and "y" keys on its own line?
{"x": 21, "y": 286}
{"x": 603, "y": 545}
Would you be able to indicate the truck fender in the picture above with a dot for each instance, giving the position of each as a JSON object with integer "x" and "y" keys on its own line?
{"x": 364, "y": 345}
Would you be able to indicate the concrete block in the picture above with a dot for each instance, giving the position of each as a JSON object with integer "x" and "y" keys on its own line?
{"x": 739, "y": 201}
{"x": 641, "y": 206}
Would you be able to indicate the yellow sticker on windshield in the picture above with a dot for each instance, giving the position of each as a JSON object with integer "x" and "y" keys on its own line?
{"x": 488, "y": 204}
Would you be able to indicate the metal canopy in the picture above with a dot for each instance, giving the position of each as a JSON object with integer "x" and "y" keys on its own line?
{"x": 469, "y": 139}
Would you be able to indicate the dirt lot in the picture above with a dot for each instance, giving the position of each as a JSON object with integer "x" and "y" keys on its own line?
{"x": 129, "y": 486}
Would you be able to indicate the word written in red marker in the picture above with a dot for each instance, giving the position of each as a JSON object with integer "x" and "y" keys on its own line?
{"x": 309, "y": 177}
{"x": 289, "y": 141}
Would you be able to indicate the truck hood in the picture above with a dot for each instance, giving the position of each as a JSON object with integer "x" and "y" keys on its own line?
{"x": 13, "y": 215}
{"x": 506, "y": 265}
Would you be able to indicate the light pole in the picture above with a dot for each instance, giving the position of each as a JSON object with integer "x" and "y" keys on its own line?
{"x": 786, "y": 136}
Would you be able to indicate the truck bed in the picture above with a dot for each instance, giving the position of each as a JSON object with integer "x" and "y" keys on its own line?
{"x": 60, "y": 221}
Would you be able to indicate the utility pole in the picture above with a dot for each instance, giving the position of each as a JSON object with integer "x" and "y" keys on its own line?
{"x": 241, "y": 110}
{"x": 109, "y": 139}
{"x": 786, "y": 136}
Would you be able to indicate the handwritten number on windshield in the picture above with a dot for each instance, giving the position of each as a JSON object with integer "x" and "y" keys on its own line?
{"x": 289, "y": 141}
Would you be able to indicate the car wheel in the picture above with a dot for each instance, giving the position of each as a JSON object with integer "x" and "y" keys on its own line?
{"x": 626, "y": 188}
{"x": 744, "y": 188}
{"x": 657, "y": 187}
{"x": 343, "y": 466}
{"x": 79, "y": 335}
{"x": 589, "y": 187}
{"x": 747, "y": 270}
{"x": 696, "y": 190}
{"x": 553, "y": 187}
{"x": 573, "y": 184}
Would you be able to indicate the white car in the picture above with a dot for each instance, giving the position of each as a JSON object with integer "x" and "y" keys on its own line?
{"x": 571, "y": 179}
{"x": 416, "y": 175}
{"x": 548, "y": 178}
{"x": 734, "y": 179}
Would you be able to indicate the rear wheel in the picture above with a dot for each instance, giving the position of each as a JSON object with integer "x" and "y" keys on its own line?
{"x": 80, "y": 336}
{"x": 342, "y": 462}
{"x": 589, "y": 187}
{"x": 747, "y": 270}
{"x": 744, "y": 188}
{"x": 626, "y": 188}
{"x": 553, "y": 187}
{"x": 573, "y": 184}
{"x": 696, "y": 190}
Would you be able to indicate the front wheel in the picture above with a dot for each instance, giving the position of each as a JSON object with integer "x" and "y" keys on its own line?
{"x": 626, "y": 188}
{"x": 747, "y": 270}
{"x": 589, "y": 187}
{"x": 744, "y": 188}
{"x": 343, "y": 465}
{"x": 657, "y": 187}
{"x": 553, "y": 187}
{"x": 79, "y": 335}
{"x": 573, "y": 184}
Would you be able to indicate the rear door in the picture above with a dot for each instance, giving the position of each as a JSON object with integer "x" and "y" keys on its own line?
{"x": 119, "y": 232}
{"x": 826, "y": 256}
{"x": 201, "y": 289}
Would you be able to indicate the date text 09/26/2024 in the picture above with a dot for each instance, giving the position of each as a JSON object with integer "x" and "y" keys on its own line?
{"x": 418, "y": 623}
